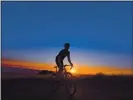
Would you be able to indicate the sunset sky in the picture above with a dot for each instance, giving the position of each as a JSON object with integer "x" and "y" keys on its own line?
{"x": 100, "y": 34}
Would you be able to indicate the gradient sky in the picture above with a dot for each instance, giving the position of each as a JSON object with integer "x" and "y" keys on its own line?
{"x": 100, "y": 33}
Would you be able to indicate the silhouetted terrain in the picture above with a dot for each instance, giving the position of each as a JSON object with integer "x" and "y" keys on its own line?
{"x": 91, "y": 88}
{"x": 17, "y": 71}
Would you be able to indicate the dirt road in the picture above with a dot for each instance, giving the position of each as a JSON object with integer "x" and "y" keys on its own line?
{"x": 87, "y": 89}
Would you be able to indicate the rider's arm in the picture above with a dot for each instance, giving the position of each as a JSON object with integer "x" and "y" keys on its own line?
{"x": 69, "y": 60}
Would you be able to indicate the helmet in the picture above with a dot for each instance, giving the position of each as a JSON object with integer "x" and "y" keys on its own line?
{"x": 67, "y": 45}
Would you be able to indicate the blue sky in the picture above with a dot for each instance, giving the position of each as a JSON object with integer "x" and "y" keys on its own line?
{"x": 103, "y": 28}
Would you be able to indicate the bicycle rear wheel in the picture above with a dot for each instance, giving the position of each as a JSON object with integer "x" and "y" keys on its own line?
{"x": 55, "y": 85}
{"x": 53, "y": 76}
{"x": 55, "y": 82}
{"x": 70, "y": 87}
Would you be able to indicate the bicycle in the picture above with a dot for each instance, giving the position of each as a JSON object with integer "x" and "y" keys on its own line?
{"x": 65, "y": 81}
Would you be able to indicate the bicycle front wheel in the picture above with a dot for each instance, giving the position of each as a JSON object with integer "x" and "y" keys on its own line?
{"x": 68, "y": 75}
{"x": 70, "y": 87}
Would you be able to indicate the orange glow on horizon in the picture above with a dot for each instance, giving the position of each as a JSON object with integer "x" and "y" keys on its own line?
{"x": 73, "y": 70}
{"x": 80, "y": 69}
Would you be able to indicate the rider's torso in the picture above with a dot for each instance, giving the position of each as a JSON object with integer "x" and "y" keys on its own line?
{"x": 62, "y": 54}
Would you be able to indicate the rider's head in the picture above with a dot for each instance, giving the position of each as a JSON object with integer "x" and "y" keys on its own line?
{"x": 66, "y": 45}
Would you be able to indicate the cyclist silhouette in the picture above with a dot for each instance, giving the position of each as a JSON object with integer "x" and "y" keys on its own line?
{"x": 60, "y": 57}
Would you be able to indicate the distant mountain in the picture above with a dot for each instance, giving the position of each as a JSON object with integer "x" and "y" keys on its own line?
{"x": 18, "y": 70}
{"x": 45, "y": 72}
{"x": 7, "y": 71}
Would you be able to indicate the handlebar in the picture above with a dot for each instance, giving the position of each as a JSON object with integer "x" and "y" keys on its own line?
{"x": 64, "y": 66}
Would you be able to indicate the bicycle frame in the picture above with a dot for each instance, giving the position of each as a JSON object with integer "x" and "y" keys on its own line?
{"x": 64, "y": 68}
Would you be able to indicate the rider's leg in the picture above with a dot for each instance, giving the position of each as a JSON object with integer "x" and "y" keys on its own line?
{"x": 60, "y": 67}
{"x": 61, "y": 70}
